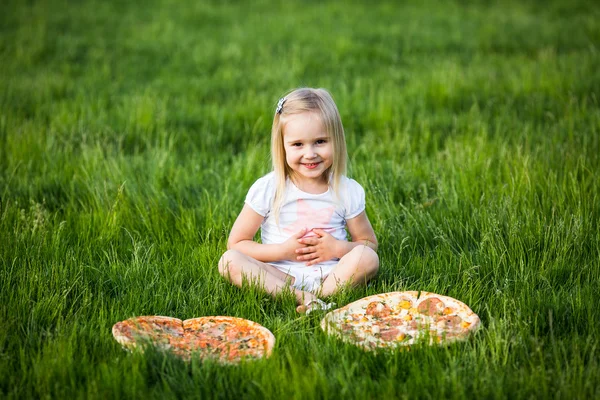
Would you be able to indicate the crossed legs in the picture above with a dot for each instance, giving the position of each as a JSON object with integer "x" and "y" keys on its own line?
{"x": 356, "y": 267}
{"x": 236, "y": 266}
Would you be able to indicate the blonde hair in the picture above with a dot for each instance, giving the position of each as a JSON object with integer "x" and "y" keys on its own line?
{"x": 298, "y": 101}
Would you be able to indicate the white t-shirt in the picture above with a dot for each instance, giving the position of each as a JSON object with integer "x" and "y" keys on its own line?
{"x": 305, "y": 210}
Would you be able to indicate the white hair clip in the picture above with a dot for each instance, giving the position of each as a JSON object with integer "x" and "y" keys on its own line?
{"x": 280, "y": 105}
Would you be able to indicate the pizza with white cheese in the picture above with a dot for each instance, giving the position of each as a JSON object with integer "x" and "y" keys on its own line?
{"x": 401, "y": 319}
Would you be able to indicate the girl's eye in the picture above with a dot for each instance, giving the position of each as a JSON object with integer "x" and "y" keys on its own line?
{"x": 296, "y": 144}
{"x": 321, "y": 141}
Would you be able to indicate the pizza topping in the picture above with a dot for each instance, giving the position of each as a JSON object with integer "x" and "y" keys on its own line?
{"x": 390, "y": 334}
{"x": 396, "y": 322}
{"x": 215, "y": 331}
{"x": 403, "y": 304}
{"x": 451, "y": 322}
{"x": 431, "y": 306}
{"x": 406, "y": 304}
{"x": 378, "y": 309}
{"x": 346, "y": 327}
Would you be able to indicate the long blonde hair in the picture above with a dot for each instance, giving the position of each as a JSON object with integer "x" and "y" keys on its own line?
{"x": 299, "y": 101}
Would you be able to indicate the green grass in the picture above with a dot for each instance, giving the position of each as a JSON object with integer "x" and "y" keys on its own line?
{"x": 130, "y": 133}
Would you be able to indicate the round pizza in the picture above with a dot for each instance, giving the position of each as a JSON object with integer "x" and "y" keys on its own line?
{"x": 401, "y": 319}
{"x": 224, "y": 339}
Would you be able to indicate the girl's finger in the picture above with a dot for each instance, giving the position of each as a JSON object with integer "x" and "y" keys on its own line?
{"x": 308, "y": 241}
{"x": 320, "y": 232}
{"x": 306, "y": 257}
{"x": 305, "y": 250}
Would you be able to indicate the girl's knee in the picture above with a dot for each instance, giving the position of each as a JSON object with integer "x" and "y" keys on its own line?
{"x": 367, "y": 258}
{"x": 228, "y": 261}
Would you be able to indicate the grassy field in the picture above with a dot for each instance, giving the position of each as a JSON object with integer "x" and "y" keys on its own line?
{"x": 131, "y": 131}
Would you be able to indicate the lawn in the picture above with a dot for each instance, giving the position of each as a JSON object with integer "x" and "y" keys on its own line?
{"x": 131, "y": 131}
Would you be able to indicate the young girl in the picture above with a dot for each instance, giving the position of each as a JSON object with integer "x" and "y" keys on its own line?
{"x": 303, "y": 209}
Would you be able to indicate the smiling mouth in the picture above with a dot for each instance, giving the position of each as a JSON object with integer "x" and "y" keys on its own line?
{"x": 311, "y": 165}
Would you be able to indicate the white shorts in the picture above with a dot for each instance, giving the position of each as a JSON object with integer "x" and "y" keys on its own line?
{"x": 307, "y": 278}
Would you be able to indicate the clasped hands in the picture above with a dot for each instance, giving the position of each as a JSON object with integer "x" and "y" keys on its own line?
{"x": 312, "y": 249}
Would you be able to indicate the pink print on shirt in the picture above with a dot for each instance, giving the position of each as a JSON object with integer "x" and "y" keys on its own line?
{"x": 310, "y": 218}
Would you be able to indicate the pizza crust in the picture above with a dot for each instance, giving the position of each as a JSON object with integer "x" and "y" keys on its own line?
{"x": 221, "y": 338}
{"x": 401, "y": 319}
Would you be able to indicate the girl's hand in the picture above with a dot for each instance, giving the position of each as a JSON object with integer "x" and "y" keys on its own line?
{"x": 292, "y": 245}
{"x": 321, "y": 248}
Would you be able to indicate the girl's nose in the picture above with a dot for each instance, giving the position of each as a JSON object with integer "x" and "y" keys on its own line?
{"x": 310, "y": 152}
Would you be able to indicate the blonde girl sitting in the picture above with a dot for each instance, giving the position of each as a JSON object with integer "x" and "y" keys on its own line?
{"x": 305, "y": 207}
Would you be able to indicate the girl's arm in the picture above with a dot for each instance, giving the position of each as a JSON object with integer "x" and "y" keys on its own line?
{"x": 361, "y": 232}
{"x": 242, "y": 234}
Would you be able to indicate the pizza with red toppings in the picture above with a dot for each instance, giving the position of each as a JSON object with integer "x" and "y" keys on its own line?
{"x": 224, "y": 339}
{"x": 401, "y": 319}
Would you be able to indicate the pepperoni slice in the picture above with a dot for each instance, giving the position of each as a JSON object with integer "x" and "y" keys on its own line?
{"x": 431, "y": 306}
{"x": 396, "y": 322}
{"x": 389, "y": 334}
{"x": 450, "y": 322}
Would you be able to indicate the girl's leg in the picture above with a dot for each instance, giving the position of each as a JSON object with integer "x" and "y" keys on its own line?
{"x": 235, "y": 266}
{"x": 356, "y": 267}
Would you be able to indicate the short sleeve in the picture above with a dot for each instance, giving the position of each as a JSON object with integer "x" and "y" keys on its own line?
{"x": 354, "y": 199}
{"x": 260, "y": 195}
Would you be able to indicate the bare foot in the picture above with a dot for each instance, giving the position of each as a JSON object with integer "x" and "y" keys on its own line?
{"x": 314, "y": 305}
{"x": 301, "y": 309}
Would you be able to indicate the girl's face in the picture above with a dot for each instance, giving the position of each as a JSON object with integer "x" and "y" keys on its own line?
{"x": 308, "y": 147}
